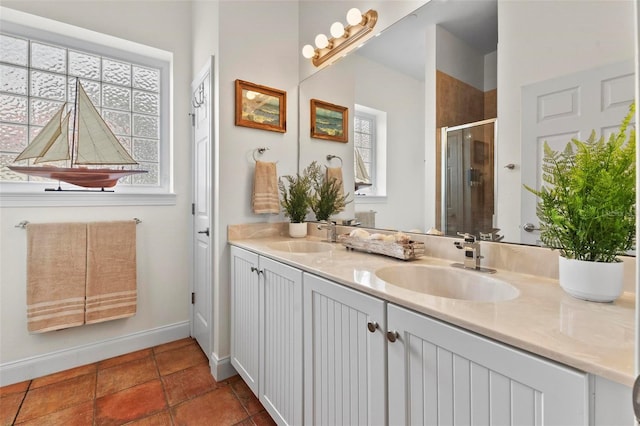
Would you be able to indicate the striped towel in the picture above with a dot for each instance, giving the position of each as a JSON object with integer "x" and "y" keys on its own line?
{"x": 111, "y": 271}
{"x": 335, "y": 173}
{"x": 265, "y": 197}
{"x": 56, "y": 269}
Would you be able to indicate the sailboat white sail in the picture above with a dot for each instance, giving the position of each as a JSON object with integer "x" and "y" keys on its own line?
{"x": 362, "y": 177}
{"x": 96, "y": 142}
{"x": 47, "y": 137}
{"x": 93, "y": 144}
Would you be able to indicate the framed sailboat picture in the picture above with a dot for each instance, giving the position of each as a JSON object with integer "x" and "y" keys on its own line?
{"x": 260, "y": 107}
{"x": 90, "y": 146}
{"x": 329, "y": 121}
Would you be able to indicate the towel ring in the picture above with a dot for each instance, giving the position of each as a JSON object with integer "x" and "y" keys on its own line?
{"x": 331, "y": 157}
{"x": 259, "y": 151}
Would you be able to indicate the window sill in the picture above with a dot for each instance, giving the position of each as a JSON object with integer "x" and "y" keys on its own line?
{"x": 370, "y": 199}
{"x": 75, "y": 199}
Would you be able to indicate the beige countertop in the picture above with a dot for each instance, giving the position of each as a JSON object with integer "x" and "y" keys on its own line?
{"x": 597, "y": 338}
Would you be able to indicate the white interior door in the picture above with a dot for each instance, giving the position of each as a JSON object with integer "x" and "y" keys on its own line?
{"x": 201, "y": 101}
{"x": 563, "y": 108}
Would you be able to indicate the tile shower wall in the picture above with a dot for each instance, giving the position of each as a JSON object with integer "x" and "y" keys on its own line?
{"x": 458, "y": 103}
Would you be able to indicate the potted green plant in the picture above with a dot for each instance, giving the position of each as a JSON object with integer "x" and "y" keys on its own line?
{"x": 296, "y": 199}
{"x": 587, "y": 211}
{"x": 328, "y": 198}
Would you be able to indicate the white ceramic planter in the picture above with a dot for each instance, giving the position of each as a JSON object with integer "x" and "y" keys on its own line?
{"x": 298, "y": 230}
{"x": 594, "y": 281}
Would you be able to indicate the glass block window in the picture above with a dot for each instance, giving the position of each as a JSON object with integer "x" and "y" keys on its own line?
{"x": 37, "y": 77}
{"x": 365, "y": 142}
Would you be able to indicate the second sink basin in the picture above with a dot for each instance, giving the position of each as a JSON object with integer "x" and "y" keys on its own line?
{"x": 302, "y": 246}
{"x": 448, "y": 282}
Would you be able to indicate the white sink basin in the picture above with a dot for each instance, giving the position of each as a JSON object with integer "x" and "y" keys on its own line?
{"x": 302, "y": 246}
{"x": 448, "y": 282}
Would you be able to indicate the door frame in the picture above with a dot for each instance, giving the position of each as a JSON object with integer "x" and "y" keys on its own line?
{"x": 207, "y": 68}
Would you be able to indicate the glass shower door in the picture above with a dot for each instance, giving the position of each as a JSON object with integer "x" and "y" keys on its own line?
{"x": 468, "y": 179}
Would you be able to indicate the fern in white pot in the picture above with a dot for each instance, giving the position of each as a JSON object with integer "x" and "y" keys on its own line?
{"x": 587, "y": 211}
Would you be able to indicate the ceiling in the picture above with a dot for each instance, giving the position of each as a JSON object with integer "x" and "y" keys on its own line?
{"x": 402, "y": 46}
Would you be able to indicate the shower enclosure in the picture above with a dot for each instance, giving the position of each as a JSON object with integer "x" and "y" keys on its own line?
{"x": 468, "y": 179}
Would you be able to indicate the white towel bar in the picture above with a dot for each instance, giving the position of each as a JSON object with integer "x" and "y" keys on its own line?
{"x": 24, "y": 223}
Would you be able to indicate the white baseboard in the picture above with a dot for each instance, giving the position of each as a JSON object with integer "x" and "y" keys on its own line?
{"x": 221, "y": 368}
{"x": 41, "y": 365}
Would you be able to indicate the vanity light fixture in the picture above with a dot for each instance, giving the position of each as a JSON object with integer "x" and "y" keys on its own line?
{"x": 342, "y": 38}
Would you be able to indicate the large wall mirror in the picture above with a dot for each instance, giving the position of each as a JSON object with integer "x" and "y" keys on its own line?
{"x": 450, "y": 105}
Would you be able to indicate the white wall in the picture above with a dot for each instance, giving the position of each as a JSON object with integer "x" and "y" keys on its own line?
{"x": 336, "y": 85}
{"x": 164, "y": 267}
{"x": 387, "y": 90}
{"x": 430, "y": 157}
{"x": 593, "y": 32}
{"x": 458, "y": 59}
{"x": 490, "y": 71}
{"x": 258, "y": 43}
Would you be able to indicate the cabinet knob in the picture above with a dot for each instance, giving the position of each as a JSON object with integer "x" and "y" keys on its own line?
{"x": 392, "y": 336}
{"x": 372, "y": 326}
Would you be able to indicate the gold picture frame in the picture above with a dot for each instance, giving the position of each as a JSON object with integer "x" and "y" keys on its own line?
{"x": 329, "y": 121}
{"x": 260, "y": 107}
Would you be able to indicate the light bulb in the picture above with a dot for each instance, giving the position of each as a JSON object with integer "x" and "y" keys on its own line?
{"x": 308, "y": 51}
{"x": 321, "y": 41}
{"x": 251, "y": 95}
{"x": 354, "y": 16}
{"x": 337, "y": 29}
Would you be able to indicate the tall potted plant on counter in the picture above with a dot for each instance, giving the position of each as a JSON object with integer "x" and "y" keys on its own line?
{"x": 587, "y": 211}
{"x": 328, "y": 198}
{"x": 296, "y": 199}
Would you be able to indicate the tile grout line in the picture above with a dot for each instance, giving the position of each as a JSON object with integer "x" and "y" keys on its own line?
{"x": 164, "y": 391}
{"x": 249, "y": 416}
{"x": 95, "y": 399}
{"x": 15, "y": 418}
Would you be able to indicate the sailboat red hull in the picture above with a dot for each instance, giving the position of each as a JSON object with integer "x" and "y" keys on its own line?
{"x": 86, "y": 178}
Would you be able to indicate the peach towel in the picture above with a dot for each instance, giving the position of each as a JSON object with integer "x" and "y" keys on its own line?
{"x": 265, "y": 198}
{"x": 56, "y": 270}
{"x": 111, "y": 271}
{"x": 336, "y": 173}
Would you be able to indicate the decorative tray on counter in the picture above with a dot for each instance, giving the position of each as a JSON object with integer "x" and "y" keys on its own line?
{"x": 400, "y": 250}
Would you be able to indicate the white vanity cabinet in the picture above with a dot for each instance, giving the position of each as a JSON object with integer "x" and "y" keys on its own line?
{"x": 344, "y": 355}
{"x": 442, "y": 375}
{"x": 245, "y": 323}
{"x": 266, "y": 332}
{"x": 316, "y": 352}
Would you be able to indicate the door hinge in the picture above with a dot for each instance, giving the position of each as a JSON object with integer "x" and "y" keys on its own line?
{"x": 193, "y": 298}
{"x": 193, "y": 119}
{"x": 193, "y": 209}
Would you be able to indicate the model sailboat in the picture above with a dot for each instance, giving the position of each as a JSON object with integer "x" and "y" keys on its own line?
{"x": 92, "y": 143}
{"x": 362, "y": 177}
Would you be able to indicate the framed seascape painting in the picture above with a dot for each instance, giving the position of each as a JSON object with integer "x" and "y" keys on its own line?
{"x": 329, "y": 121}
{"x": 260, "y": 107}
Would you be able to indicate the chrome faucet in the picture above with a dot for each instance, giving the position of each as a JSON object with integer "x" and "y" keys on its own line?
{"x": 472, "y": 254}
{"x": 471, "y": 249}
{"x": 332, "y": 233}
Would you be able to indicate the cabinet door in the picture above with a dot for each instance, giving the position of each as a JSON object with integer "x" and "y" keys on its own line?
{"x": 281, "y": 342}
{"x": 345, "y": 377}
{"x": 442, "y": 375}
{"x": 245, "y": 323}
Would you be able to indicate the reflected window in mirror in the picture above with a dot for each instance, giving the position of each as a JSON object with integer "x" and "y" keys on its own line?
{"x": 370, "y": 147}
